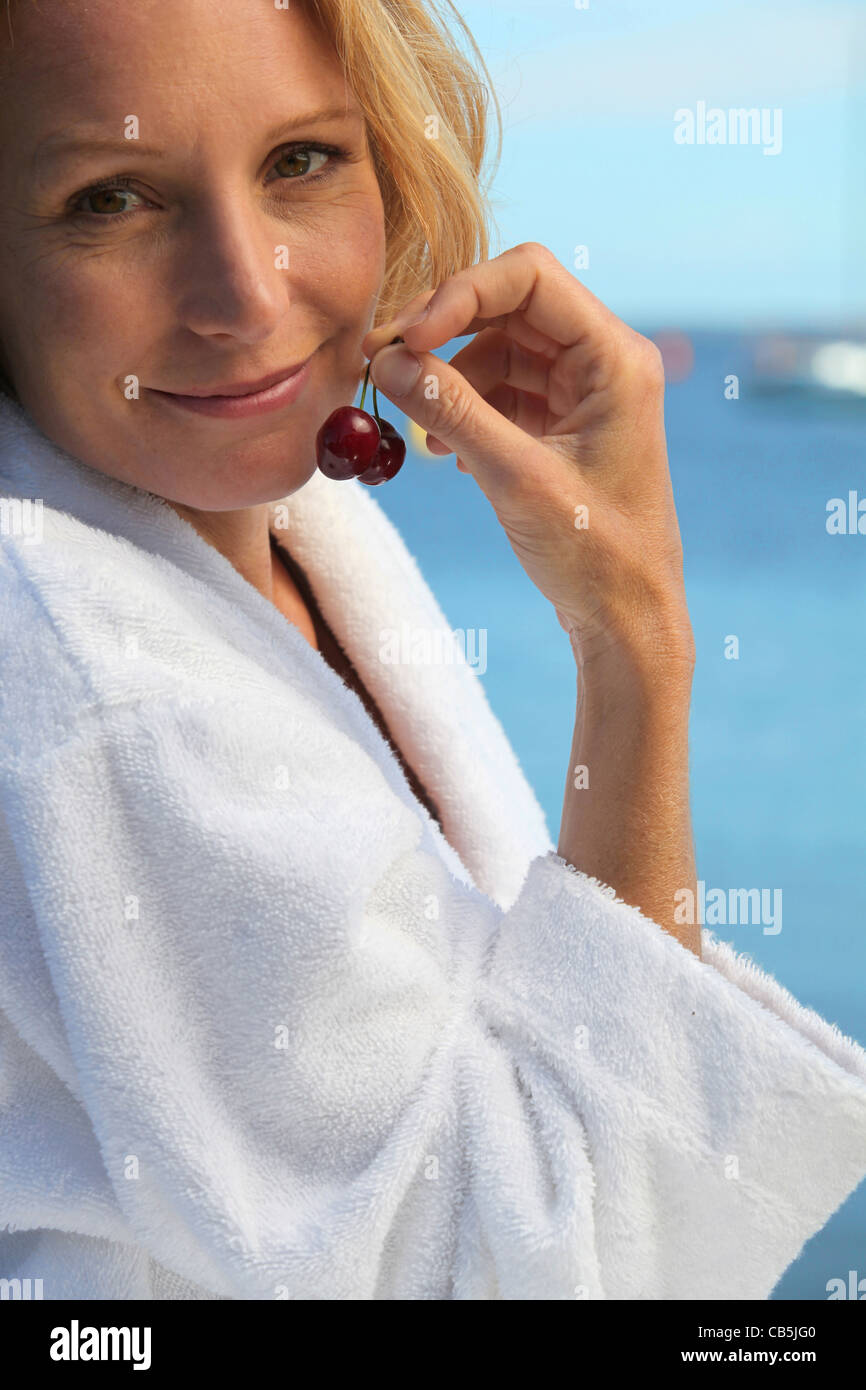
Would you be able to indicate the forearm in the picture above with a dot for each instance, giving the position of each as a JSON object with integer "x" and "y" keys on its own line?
{"x": 626, "y": 819}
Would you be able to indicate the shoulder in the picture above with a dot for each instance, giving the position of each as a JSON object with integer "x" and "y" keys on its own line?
{"x": 38, "y": 678}
{"x": 89, "y": 623}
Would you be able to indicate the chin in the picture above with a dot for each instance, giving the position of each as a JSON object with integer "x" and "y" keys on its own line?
{"x": 250, "y": 492}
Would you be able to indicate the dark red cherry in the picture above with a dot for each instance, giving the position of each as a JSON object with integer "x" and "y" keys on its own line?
{"x": 389, "y": 458}
{"x": 347, "y": 443}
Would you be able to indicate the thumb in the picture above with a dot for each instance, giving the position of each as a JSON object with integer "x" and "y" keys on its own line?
{"x": 440, "y": 399}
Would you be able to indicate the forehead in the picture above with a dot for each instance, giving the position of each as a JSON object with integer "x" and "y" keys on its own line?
{"x": 180, "y": 68}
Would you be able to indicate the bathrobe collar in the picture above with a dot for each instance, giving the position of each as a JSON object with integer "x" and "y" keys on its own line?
{"x": 366, "y": 583}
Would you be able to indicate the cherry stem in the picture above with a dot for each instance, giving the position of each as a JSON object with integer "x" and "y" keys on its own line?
{"x": 375, "y": 396}
{"x": 364, "y": 392}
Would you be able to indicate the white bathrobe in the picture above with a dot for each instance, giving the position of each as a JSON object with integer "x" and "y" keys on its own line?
{"x": 265, "y": 1033}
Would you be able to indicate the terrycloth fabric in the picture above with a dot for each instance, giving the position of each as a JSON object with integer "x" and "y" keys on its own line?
{"x": 265, "y": 1033}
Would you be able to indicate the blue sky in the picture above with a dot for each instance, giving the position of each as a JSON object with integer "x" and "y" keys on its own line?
{"x": 684, "y": 236}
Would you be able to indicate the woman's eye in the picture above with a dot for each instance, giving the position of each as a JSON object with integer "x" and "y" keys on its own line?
{"x": 105, "y": 202}
{"x": 298, "y": 163}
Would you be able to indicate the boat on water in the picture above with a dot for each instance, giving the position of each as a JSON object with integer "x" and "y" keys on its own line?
{"x": 813, "y": 365}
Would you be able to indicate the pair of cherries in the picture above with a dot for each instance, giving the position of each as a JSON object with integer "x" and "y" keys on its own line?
{"x": 354, "y": 444}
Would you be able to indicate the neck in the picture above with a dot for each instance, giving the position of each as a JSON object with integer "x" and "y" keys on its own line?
{"x": 242, "y": 536}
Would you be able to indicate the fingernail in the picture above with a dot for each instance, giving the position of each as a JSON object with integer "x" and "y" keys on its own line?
{"x": 401, "y": 324}
{"x": 396, "y": 370}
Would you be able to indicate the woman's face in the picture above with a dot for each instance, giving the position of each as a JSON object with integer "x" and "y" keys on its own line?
{"x": 224, "y": 259}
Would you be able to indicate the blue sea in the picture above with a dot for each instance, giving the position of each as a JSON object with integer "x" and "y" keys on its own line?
{"x": 778, "y": 735}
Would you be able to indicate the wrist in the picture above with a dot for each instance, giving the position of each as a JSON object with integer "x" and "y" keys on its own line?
{"x": 650, "y": 654}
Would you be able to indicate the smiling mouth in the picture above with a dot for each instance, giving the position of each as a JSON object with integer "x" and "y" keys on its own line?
{"x": 238, "y": 402}
{"x": 247, "y": 388}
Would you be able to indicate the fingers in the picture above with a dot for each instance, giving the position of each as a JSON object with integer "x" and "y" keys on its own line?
{"x": 547, "y": 354}
{"x": 525, "y": 284}
{"x": 378, "y": 337}
{"x": 510, "y": 378}
{"x": 528, "y": 412}
{"x": 442, "y": 402}
{"x": 494, "y": 358}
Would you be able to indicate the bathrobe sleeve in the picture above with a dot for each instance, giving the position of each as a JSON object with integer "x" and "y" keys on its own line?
{"x": 266, "y": 1037}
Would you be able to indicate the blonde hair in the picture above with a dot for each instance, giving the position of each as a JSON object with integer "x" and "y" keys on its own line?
{"x": 426, "y": 110}
{"x": 426, "y": 105}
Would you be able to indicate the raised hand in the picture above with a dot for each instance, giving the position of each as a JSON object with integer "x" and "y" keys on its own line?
{"x": 556, "y": 408}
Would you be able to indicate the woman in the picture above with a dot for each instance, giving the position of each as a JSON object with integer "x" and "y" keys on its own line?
{"x": 297, "y": 999}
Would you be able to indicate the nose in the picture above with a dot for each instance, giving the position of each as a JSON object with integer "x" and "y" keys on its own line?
{"x": 232, "y": 284}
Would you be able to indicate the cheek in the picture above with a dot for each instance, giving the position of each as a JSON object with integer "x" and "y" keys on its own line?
{"x": 84, "y": 311}
{"x": 349, "y": 270}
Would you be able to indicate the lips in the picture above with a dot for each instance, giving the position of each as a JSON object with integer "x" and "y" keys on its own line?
{"x": 244, "y": 388}
{"x": 242, "y": 400}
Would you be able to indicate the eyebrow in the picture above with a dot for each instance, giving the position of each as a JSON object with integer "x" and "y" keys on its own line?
{"x": 60, "y": 146}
